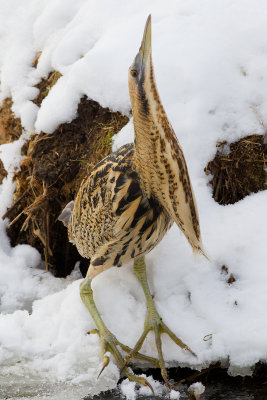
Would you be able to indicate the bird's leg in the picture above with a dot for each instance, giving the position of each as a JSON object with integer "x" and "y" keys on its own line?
{"x": 153, "y": 321}
{"x": 109, "y": 342}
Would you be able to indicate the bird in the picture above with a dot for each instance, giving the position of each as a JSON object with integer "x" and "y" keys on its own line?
{"x": 127, "y": 203}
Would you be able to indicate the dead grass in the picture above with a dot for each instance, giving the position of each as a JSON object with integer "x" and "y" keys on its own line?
{"x": 239, "y": 171}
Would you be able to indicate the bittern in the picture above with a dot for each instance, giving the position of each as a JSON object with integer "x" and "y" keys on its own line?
{"x": 128, "y": 202}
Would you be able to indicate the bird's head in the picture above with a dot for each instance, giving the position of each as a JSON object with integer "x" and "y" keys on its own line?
{"x": 141, "y": 71}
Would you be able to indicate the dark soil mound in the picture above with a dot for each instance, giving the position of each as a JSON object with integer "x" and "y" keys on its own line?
{"x": 238, "y": 169}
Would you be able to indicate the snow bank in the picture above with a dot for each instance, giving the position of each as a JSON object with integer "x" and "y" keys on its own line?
{"x": 210, "y": 62}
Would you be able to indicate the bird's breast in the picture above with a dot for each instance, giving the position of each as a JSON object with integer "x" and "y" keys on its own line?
{"x": 113, "y": 219}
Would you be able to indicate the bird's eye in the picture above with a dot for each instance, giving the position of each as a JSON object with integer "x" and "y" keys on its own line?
{"x": 134, "y": 73}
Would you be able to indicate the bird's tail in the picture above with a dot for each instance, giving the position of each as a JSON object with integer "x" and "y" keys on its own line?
{"x": 66, "y": 213}
{"x": 200, "y": 250}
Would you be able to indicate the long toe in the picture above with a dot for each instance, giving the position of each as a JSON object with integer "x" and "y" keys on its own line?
{"x": 158, "y": 331}
{"x": 154, "y": 322}
{"x": 176, "y": 340}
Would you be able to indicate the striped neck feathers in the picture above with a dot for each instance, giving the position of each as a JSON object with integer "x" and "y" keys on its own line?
{"x": 159, "y": 159}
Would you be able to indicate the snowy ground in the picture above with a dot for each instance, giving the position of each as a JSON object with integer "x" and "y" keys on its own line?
{"x": 210, "y": 60}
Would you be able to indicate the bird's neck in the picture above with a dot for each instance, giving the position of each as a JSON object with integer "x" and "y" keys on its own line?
{"x": 161, "y": 165}
{"x": 155, "y": 143}
{"x": 147, "y": 153}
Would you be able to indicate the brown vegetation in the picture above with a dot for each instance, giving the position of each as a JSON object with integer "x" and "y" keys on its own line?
{"x": 238, "y": 169}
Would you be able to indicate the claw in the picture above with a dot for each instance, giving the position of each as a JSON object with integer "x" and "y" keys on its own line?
{"x": 191, "y": 351}
{"x": 93, "y": 331}
{"x": 140, "y": 380}
{"x": 105, "y": 364}
{"x": 146, "y": 383}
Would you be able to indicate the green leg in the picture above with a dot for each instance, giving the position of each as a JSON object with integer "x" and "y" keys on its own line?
{"x": 109, "y": 342}
{"x": 153, "y": 322}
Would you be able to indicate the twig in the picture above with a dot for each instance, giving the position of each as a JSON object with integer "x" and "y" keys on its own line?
{"x": 195, "y": 375}
{"x": 9, "y": 211}
{"x": 15, "y": 219}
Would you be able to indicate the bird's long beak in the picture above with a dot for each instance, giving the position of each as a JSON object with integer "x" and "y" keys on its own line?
{"x": 145, "y": 49}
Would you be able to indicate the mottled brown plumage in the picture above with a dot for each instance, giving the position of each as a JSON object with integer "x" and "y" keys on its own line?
{"x": 132, "y": 197}
{"x": 113, "y": 220}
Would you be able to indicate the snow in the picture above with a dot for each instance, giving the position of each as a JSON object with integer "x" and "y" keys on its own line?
{"x": 210, "y": 61}
{"x": 131, "y": 391}
{"x": 196, "y": 389}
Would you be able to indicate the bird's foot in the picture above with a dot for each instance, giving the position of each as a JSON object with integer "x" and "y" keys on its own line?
{"x": 110, "y": 344}
{"x": 154, "y": 322}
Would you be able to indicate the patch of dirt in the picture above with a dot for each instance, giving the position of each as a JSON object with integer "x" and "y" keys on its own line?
{"x": 10, "y": 126}
{"x": 3, "y": 172}
{"x": 50, "y": 176}
{"x": 238, "y": 169}
{"x": 10, "y": 130}
{"x": 45, "y": 86}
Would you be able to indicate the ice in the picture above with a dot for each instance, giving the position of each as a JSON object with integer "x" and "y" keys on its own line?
{"x": 210, "y": 62}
